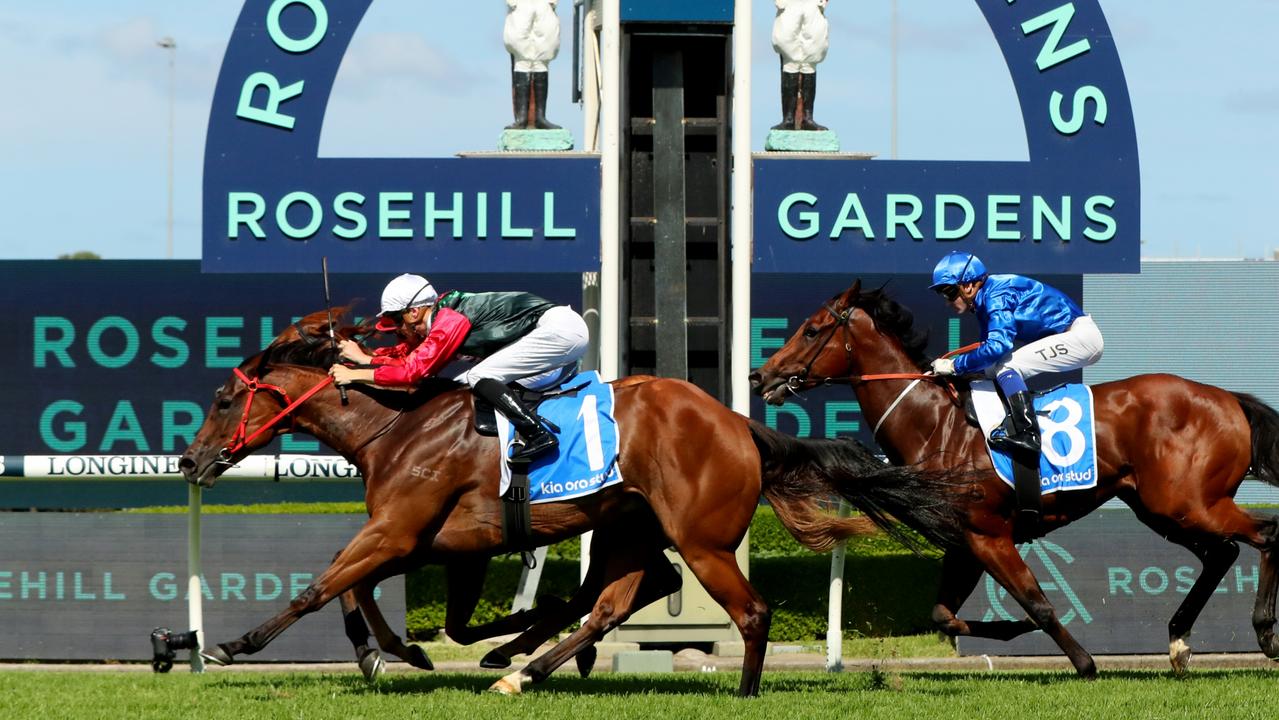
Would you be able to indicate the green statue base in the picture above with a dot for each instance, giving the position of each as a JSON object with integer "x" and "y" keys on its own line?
{"x": 531, "y": 140}
{"x": 802, "y": 141}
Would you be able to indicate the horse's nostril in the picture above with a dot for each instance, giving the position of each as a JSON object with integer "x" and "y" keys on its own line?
{"x": 754, "y": 379}
{"x": 186, "y": 465}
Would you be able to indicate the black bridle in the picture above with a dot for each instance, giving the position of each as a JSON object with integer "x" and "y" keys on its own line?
{"x": 843, "y": 321}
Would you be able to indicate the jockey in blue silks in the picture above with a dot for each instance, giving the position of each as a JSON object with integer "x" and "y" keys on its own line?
{"x": 1012, "y": 309}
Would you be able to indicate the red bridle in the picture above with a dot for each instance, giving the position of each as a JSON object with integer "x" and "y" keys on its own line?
{"x": 242, "y": 438}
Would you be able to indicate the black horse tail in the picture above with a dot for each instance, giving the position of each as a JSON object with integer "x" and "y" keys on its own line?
{"x": 1264, "y": 422}
{"x": 800, "y": 473}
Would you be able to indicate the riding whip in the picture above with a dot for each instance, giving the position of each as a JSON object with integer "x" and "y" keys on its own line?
{"x": 328, "y": 306}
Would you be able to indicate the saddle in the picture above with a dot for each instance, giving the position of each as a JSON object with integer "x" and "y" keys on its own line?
{"x": 517, "y": 522}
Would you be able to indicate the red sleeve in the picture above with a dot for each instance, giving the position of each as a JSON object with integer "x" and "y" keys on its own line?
{"x": 448, "y": 330}
{"x": 393, "y": 355}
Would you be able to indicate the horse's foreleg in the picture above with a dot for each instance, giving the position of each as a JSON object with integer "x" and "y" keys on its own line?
{"x": 1006, "y": 566}
{"x": 357, "y": 631}
{"x": 959, "y": 575}
{"x": 368, "y": 552}
{"x": 386, "y": 638}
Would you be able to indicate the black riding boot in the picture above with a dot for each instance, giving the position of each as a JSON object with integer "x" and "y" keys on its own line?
{"x": 520, "y": 84}
{"x": 537, "y": 439}
{"x": 540, "y": 87}
{"x": 790, "y": 94}
{"x": 808, "y": 95}
{"x": 1019, "y": 437}
{"x": 1020, "y": 432}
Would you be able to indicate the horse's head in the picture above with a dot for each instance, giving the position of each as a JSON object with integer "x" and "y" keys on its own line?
{"x": 851, "y": 333}
{"x": 261, "y": 387}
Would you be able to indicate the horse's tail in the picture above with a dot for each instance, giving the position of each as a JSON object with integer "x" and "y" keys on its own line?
{"x": 798, "y": 473}
{"x": 1264, "y": 422}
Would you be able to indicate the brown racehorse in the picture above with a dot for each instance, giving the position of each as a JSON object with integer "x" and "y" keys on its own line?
{"x": 1174, "y": 450}
{"x": 692, "y": 469}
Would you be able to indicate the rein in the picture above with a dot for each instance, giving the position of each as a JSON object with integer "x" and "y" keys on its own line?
{"x": 842, "y": 320}
{"x": 242, "y": 437}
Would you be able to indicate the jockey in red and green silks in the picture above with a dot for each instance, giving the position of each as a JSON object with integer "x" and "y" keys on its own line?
{"x": 517, "y": 337}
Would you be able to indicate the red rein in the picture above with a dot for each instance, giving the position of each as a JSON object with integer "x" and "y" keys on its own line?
{"x": 241, "y": 439}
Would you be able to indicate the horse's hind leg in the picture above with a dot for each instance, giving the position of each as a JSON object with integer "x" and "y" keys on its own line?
{"x": 960, "y": 572}
{"x": 1263, "y": 613}
{"x": 1217, "y": 555}
{"x": 719, "y": 573}
{"x": 369, "y": 553}
{"x": 1211, "y": 532}
{"x": 634, "y": 576}
{"x": 1007, "y": 567}
{"x": 658, "y": 579}
{"x": 557, "y": 619}
{"x": 465, "y": 580}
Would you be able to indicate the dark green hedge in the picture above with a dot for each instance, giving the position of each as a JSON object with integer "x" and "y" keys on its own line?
{"x": 888, "y": 590}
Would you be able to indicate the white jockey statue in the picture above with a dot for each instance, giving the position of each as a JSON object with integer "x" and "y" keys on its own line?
{"x": 532, "y": 36}
{"x": 801, "y": 35}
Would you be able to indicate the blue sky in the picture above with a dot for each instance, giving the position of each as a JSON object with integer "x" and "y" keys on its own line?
{"x": 83, "y": 129}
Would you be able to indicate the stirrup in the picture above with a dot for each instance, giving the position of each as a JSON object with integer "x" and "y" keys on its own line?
{"x": 528, "y": 450}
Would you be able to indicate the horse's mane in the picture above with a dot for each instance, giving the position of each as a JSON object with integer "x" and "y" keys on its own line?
{"x": 309, "y": 346}
{"x": 893, "y": 318}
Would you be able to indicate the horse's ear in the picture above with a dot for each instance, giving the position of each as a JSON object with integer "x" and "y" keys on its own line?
{"x": 856, "y": 290}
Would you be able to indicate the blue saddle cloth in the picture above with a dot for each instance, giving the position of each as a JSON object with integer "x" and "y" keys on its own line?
{"x": 1069, "y": 457}
{"x": 586, "y": 459}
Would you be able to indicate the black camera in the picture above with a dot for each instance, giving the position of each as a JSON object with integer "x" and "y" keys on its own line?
{"x": 165, "y": 643}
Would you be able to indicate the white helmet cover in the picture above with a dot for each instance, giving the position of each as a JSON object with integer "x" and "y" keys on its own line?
{"x": 407, "y": 291}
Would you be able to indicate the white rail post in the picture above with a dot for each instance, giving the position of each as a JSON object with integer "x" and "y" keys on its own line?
{"x": 835, "y": 608}
{"x": 195, "y": 593}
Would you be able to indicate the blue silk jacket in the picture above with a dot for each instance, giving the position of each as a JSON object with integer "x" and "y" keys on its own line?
{"x": 1013, "y": 308}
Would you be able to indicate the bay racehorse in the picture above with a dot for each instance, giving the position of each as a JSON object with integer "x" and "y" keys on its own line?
{"x": 1174, "y": 450}
{"x": 693, "y": 472}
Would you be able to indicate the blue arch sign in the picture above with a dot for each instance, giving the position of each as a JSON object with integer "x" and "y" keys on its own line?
{"x": 1073, "y": 207}
{"x": 271, "y": 204}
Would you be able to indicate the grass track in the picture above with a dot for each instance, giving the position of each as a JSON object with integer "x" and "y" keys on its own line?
{"x": 1206, "y": 694}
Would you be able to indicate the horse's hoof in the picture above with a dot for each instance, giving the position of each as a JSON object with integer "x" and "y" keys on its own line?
{"x": 512, "y": 684}
{"x": 418, "y": 658}
{"x": 495, "y": 660}
{"x": 1179, "y": 655}
{"x": 586, "y": 661}
{"x": 216, "y": 656}
{"x": 372, "y": 665}
{"x": 1269, "y": 645}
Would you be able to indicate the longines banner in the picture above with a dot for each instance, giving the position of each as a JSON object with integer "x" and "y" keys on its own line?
{"x": 93, "y": 586}
{"x": 1115, "y": 584}
{"x": 271, "y": 204}
{"x": 1072, "y": 207}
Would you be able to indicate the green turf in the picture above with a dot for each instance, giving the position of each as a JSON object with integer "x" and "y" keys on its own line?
{"x": 701, "y": 696}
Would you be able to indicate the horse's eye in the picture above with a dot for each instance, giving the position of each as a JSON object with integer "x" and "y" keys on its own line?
{"x": 810, "y": 331}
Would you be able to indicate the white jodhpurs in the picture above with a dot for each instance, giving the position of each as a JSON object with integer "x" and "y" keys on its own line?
{"x": 537, "y": 360}
{"x": 1076, "y": 348}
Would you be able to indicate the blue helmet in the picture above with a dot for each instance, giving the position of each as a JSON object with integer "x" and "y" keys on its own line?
{"x": 957, "y": 267}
